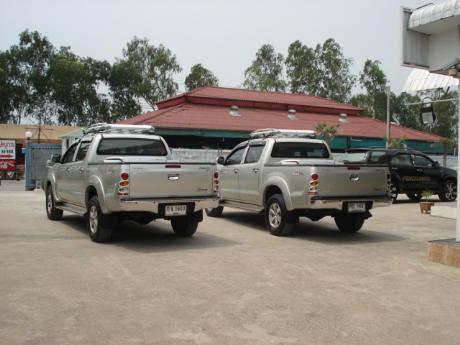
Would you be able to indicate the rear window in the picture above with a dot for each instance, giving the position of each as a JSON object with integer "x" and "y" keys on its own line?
{"x": 131, "y": 147}
{"x": 300, "y": 150}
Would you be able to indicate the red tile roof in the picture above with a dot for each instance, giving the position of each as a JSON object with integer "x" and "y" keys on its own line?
{"x": 258, "y": 99}
{"x": 214, "y": 117}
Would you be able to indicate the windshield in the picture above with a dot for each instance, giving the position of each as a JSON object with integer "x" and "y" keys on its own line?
{"x": 131, "y": 147}
{"x": 300, "y": 150}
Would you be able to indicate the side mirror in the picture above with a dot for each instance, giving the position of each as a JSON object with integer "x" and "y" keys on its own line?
{"x": 220, "y": 160}
{"x": 55, "y": 158}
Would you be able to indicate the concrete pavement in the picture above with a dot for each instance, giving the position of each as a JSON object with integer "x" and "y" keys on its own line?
{"x": 232, "y": 283}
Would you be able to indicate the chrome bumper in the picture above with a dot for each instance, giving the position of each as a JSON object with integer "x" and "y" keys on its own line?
{"x": 321, "y": 204}
{"x": 152, "y": 205}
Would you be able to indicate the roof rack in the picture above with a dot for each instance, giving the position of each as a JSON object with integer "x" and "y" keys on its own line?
{"x": 282, "y": 133}
{"x": 105, "y": 127}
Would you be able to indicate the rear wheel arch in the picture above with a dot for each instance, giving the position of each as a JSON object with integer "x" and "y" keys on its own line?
{"x": 90, "y": 192}
{"x": 270, "y": 191}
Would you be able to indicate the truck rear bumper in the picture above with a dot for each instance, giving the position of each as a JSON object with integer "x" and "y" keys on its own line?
{"x": 319, "y": 203}
{"x": 155, "y": 205}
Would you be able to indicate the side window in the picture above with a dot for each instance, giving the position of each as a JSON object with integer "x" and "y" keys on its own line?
{"x": 254, "y": 154}
{"x": 401, "y": 161}
{"x": 68, "y": 156}
{"x": 82, "y": 150}
{"x": 235, "y": 157}
{"x": 423, "y": 162}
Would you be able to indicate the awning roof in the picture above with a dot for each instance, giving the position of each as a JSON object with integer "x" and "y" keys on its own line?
{"x": 435, "y": 18}
{"x": 422, "y": 80}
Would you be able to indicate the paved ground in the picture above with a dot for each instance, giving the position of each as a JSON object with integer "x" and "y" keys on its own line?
{"x": 232, "y": 283}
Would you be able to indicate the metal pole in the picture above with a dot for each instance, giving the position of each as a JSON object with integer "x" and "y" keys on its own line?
{"x": 388, "y": 117}
{"x": 458, "y": 165}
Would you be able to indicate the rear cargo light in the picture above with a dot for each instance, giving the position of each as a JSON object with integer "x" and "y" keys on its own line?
{"x": 215, "y": 181}
{"x": 313, "y": 186}
{"x": 123, "y": 184}
{"x": 172, "y": 166}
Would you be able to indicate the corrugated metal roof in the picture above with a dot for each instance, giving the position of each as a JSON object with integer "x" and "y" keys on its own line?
{"x": 212, "y": 117}
{"x": 420, "y": 80}
{"x": 442, "y": 12}
{"x": 48, "y": 133}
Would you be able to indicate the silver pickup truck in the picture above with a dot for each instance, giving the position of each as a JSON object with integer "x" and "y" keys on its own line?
{"x": 287, "y": 175}
{"x": 118, "y": 172}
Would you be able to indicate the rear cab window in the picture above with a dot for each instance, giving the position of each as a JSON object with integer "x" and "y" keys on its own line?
{"x": 131, "y": 147}
{"x": 300, "y": 150}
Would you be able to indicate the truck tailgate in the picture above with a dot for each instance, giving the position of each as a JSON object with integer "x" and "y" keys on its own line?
{"x": 352, "y": 181}
{"x": 168, "y": 180}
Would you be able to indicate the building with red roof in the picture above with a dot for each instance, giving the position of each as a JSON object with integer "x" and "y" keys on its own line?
{"x": 218, "y": 117}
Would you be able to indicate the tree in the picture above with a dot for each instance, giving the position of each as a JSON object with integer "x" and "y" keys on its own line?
{"x": 200, "y": 76}
{"x": 327, "y": 133}
{"x": 336, "y": 78}
{"x": 396, "y": 143}
{"x": 74, "y": 88}
{"x": 153, "y": 68}
{"x": 302, "y": 69}
{"x": 266, "y": 71}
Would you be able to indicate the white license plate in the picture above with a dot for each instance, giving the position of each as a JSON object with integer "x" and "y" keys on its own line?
{"x": 356, "y": 207}
{"x": 175, "y": 210}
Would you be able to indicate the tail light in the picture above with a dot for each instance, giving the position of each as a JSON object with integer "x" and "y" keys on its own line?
{"x": 215, "y": 181}
{"x": 313, "y": 185}
{"x": 123, "y": 184}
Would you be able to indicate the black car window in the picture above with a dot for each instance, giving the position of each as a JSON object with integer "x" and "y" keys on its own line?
{"x": 235, "y": 157}
{"x": 402, "y": 161}
{"x": 68, "y": 156}
{"x": 300, "y": 150}
{"x": 82, "y": 150}
{"x": 131, "y": 147}
{"x": 423, "y": 162}
{"x": 254, "y": 154}
{"x": 377, "y": 157}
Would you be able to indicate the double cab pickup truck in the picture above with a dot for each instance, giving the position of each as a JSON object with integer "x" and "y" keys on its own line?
{"x": 125, "y": 172}
{"x": 288, "y": 174}
{"x": 412, "y": 172}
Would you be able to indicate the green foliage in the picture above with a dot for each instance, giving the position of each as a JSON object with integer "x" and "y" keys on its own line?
{"x": 426, "y": 194}
{"x": 200, "y": 76}
{"x": 323, "y": 71}
{"x": 266, "y": 71}
{"x": 153, "y": 68}
{"x": 397, "y": 143}
{"x": 325, "y": 132}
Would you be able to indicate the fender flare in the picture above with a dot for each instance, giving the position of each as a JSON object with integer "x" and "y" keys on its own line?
{"x": 95, "y": 181}
{"x": 281, "y": 184}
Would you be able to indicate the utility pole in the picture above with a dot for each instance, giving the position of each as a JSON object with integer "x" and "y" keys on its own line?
{"x": 388, "y": 90}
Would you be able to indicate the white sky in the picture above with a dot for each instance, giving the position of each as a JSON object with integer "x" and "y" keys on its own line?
{"x": 222, "y": 35}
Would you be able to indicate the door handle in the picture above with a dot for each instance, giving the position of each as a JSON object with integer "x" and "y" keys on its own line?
{"x": 236, "y": 170}
{"x": 81, "y": 170}
{"x": 256, "y": 170}
{"x": 67, "y": 169}
{"x": 419, "y": 170}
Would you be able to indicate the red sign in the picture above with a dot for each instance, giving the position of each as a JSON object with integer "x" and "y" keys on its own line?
{"x": 7, "y": 149}
{"x": 8, "y": 165}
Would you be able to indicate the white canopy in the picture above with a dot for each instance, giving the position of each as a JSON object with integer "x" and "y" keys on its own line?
{"x": 434, "y": 18}
{"x": 421, "y": 80}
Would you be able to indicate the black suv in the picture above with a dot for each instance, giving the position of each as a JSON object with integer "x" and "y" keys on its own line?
{"x": 412, "y": 172}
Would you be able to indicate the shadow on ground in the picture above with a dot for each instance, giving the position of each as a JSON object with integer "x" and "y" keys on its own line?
{"x": 314, "y": 231}
{"x": 154, "y": 237}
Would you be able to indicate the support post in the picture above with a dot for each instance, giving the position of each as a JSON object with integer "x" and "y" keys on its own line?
{"x": 458, "y": 165}
{"x": 388, "y": 117}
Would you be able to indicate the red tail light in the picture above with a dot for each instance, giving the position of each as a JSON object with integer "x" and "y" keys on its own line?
{"x": 124, "y": 176}
{"x": 123, "y": 184}
{"x": 313, "y": 186}
{"x": 215, "y": 181}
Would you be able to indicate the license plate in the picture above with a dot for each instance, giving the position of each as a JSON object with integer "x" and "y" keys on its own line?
{"x": 175, "y": 210}
{"x": 356, "y": 207}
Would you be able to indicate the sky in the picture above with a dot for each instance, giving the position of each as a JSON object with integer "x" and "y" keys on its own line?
{"x": 222, "y": 35}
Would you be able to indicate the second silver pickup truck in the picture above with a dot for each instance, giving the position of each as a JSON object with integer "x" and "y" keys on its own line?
{"x": 288, "y": 174}
{"x": 118, "y": 172}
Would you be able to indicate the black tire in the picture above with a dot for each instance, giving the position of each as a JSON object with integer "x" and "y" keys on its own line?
{"x": 277, "y": 218}
{"x": 99, "y": 225}
{"x": 349, "y": 223}
{"x": 448, "y": 191}
{"x": 394, "y": 191}
{"x": 414, "y": 196}
{"x": 214, "y": 212}
{"x": 184, "y": 226}
{"x": 52, "y": 212}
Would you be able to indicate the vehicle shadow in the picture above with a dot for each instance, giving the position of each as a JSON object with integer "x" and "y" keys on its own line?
{"x": 154, "y": 237}
{"x": 321, "y": 231}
